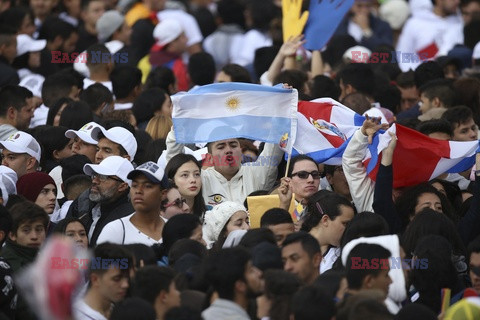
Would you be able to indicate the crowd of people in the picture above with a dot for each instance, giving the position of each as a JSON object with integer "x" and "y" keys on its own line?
{"x": 89, "y": 154}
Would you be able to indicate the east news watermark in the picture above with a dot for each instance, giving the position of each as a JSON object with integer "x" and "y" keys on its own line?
{"x": 58, "y": 263}
{"x": 389, "y": 57}
{"x": 96, "y": 57}
{"x": 391, "y": 263}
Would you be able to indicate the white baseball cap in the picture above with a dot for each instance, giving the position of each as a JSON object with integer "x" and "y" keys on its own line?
{"x": 25, "y": 44}
{"x": 123, "y": 137}
{"x": 151, "y": 170}
{"x": 8, "y": 182}
{"x": 111, "y": 166}
{"x": 87, "y": 133}
{"x": 166, "y": 31}
{"x": 22, "y": 142}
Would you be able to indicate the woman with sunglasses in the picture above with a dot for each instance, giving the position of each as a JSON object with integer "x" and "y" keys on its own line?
{"x": 173, "y": 204}
{"x": 327, "y": 214}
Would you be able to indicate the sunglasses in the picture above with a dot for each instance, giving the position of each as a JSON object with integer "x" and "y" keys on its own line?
{"x": 103, "y": 178}
{"x": 305, "y": 174}
{"x": 177, "y": 202}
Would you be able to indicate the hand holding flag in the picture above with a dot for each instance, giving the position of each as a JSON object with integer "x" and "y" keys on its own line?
{"x": 292, "y": 22}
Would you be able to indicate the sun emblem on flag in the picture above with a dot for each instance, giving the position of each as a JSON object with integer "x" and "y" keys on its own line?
{"x": 233, "y": 103}
{"x": 284, "y": 140}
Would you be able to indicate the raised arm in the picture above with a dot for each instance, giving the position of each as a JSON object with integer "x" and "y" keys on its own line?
{"x": 361, "y": 186}
{"x": 286, "y": 55}
{"x": 173, "y": 148}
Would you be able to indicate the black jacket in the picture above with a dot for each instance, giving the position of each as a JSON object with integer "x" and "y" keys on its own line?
{"x": 82, "y": 208}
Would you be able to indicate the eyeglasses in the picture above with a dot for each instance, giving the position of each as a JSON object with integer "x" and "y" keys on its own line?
{"x": 103, "y": 178}
{"x": 177, "y": 202}
{"x": 305, "y": 174}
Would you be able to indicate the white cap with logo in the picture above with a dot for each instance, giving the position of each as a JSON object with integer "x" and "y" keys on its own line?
{"x": 123, "y": 137}
{"x": 86, "y": 133}
{"x": 22, "y": 142}
{"x": 111, "y": 166}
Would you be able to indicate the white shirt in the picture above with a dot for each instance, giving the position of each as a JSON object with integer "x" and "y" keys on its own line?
{"x": 87, "y": 82}
{"x": 39, "y": 116}
{"x": 96, "y": 213}
{"x": 329, "y": 259}
{"x": 82, "y": 311}
{"x": 126, "y": 233}
{"x": 245, "y": 46}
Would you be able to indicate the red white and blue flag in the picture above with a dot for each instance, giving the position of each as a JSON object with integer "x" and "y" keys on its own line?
{"x": 419, "y": 158}
{"x": 324, "y": 129}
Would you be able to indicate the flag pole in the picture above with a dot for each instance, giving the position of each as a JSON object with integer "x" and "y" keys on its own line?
{"x": 288, "y": 163}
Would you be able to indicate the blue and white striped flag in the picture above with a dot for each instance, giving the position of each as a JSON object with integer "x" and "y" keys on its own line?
{"x": 235, "y": 110}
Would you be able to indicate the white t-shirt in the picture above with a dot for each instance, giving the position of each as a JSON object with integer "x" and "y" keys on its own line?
{"x": 39, "y": 116}
{"x": 329, "y": 259}
{"x": 87, "y": 82}
{"x": 122, "y": 231}
{"x": 82, "y": 311}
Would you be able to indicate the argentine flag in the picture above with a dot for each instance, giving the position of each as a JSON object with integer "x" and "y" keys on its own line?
{"x": 235, "y": 110}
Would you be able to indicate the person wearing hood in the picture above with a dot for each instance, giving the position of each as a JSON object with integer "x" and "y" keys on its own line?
{"x": 397, "y": 292}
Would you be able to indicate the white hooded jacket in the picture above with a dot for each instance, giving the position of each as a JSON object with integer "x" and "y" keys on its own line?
{"x": 397, "y": 291}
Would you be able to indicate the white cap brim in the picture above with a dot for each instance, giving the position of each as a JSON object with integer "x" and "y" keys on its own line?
{"x": 13, "y": 147}
{"x": 82, "y": 135}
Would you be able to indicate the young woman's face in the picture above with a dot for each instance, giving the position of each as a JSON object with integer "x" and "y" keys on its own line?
{"x": 56, "y": 119}
{"x": 239, "y": 221}
{"x": 428, "y": 200}
{"x": 187, "y": 179}
{"x": 176, "y": 204}
{"x": 76, "y": 231}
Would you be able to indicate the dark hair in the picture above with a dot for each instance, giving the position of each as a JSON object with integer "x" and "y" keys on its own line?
{"x": 364, "y": 224}
{"x": 435, "y": 125}
{"x": 13, "y": 96}
{"x": 124, "y": 80}
{"x": 225, "y": 267}
{"x": 406, "y": 79}
{"x": 357, "y": 101}
{"x": 296, "y": 159}
{"x": 407, "y": 201}
{"x": 51, "y": 139}
{"x": 182, "y": 313}
{"x": 360, "y": 76}
{"x": 428, "y": 222}
{"x": 441, "y": 89}
{"x": 73, "y": 165}
{"x": 178, "y": 227}
{"x": 96, "y": 95}
{"x": 355, "y": 276}
{"x": 171, "y": 169}
{"x": 275, "y": 216}
{"x": 427, "y": 71}
{"x": 62, "y": 225}
{"x": 75, "y": 115}
{"x": 142, "y": 253}
{"x": 150, "y": 281}
{"x": 262, "y": 13}
{"x": 201, "y": 68}
{"x": 185, "y": 246}
{"x": 133, "y": 309}
{"x": 308, "y": 242}
{"x": 231, "y": 12}
{"x": 236, "y": 72}
{"x": 5, "y": 221}
{"x": 323, "y": 86}
{"x": 457, "y": 115}
{"x": 473, "y": 247}
{"x": 53, "y": 27}
{"x": 74, "y": 183}
{"x": 441, "y": 272}
{"x": 257, "y": 236}
{"x": 14, "y": 17}
{"x": 280, "y": 286}
{"x": 154, "y": 149}
{"x": 53, "y": 110}
{"x": 294, "y": 78}
{"x": 321, "y": 203}
{"x": 160, "y": 77}
{"x": 147, "y": 103}
{"x": 312, "y": 303}
{"x": 56, "y": 86}
{"x": 27, "y": 212}
{"x": 369, "y": 308}
{"x": 96, "y": 53}
{"x": 389, "y": 96}
{"x": 110, "y": 254}
{"x": 467, "y": 92}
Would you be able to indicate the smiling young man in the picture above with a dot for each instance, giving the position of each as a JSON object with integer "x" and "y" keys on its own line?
{"x": 228, "y": 179}
{"x": 109, "y": 277}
